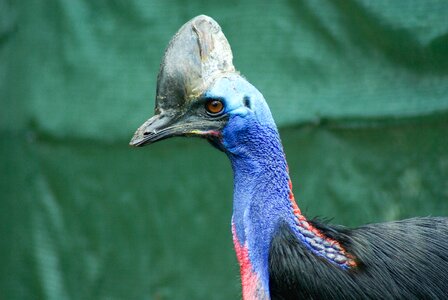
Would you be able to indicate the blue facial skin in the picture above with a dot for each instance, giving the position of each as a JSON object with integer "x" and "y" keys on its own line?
{"x": 261, "y": 181}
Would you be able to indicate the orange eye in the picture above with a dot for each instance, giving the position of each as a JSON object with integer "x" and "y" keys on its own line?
{"x": 214, "y": 107}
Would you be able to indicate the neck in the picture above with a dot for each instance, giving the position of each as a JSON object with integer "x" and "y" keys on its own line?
{"x": 263, "y": 200}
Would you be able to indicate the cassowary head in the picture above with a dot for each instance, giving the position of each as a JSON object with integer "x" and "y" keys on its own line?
{"x": 199, "y": 92}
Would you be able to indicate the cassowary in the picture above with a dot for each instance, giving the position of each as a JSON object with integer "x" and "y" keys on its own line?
{"x": 282, "y": 254}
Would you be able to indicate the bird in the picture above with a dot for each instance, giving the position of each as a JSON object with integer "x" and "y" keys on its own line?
{"x": 281, "y": 253}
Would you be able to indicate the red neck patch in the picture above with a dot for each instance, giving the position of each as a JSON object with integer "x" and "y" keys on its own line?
{"x": 251, "y": 284}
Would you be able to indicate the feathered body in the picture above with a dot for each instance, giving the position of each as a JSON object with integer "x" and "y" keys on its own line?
{"x": 283, "y": 255}
{"x": 395, "y": 260}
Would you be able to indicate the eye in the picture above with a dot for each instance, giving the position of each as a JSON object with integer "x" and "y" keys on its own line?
{"x": 214, "y": 107}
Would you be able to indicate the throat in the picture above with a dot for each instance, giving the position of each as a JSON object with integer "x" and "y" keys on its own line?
{"x": 263, "y": 201}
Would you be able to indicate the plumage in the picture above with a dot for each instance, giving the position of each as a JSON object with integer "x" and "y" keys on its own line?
{"x": 282, "y": 254}
{"x": 395, "y": 260}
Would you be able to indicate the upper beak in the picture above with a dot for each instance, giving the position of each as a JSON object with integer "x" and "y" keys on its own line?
{"x": 156, "y": 128}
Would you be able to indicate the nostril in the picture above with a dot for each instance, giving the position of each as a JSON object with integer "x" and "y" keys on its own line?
{"x": 150, "y": 132}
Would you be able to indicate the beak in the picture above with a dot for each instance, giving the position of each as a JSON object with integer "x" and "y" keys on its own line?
{"x": 157, "y": 128}
{"x": 165, "y": 125}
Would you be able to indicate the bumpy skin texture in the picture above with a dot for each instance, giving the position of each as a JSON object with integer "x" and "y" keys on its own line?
{"x": 406, "y": 259}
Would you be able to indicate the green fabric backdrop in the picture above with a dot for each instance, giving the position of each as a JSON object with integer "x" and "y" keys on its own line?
{"x": 359, "y": 89}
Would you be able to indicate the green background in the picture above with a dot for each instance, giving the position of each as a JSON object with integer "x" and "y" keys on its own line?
{"x": 358, "y": 88}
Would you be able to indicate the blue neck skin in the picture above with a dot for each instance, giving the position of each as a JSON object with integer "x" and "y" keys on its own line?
{"x": 261, "y": 188}
{"x": 261, "y": 181}
{"x": 262, "y": 191}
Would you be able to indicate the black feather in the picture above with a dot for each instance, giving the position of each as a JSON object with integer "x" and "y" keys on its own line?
{"x": 405, "y": 259}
